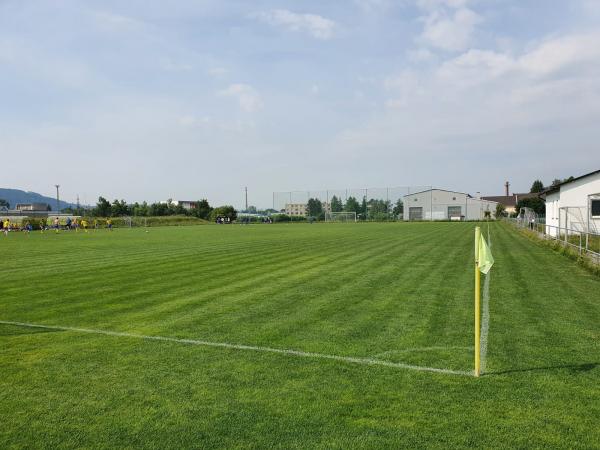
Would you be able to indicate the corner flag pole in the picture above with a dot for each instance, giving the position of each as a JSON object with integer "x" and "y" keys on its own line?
{"x": 477, "y": 303}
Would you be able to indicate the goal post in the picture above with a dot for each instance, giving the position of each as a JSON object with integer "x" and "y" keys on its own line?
{"x": 340, "y": 216}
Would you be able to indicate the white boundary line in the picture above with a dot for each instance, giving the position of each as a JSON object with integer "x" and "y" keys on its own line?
{"x": 422, "y": 349}
{"x": 485, "y": 320}
{"x": 348, "y": 359}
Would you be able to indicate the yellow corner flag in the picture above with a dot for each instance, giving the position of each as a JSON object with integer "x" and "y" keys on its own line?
{"x": 485, "y": 258}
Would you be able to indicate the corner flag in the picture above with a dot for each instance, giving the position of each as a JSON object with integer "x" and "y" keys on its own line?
{"x": 483, "y": 263}
{"x": 486, "y": 260}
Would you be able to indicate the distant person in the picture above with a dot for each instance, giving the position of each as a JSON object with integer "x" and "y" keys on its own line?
{"x": 68, "y": 223}
{"x": 56, "y": 224}
{"x": 42, "y": 224}
{"x": 5, "y": 226}
{"x": 76, "y": 224}
{"x": 95, "y": 224}
{"x": 109, "y": 224}
{"x": 84, "y": 225}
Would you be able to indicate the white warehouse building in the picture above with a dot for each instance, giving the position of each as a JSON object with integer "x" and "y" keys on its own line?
{"x": 574, "y": 205}
{"x": 440, "y": 204}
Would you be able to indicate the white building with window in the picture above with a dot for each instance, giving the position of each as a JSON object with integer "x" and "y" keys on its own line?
{"x": 301, "y": 209}
{"x": 440, "y": 204}
{"x": 574, "y": 205}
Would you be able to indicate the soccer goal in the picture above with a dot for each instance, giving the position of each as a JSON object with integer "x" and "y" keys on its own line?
{"x": 340, "y": 217}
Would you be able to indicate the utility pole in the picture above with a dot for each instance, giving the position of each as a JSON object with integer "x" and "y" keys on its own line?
{"x": 57, "y": 198}
{"x": 246, "y": 190}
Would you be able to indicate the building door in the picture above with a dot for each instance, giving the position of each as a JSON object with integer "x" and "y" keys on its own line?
{"x": 454, "y": 211}
{"x": 415, "y": 213}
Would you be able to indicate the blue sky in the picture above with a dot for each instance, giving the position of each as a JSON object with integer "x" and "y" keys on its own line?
{"x": 149, "y": 100}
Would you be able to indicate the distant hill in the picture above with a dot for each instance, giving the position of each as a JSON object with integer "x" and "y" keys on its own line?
{"x": 14, "y": 196}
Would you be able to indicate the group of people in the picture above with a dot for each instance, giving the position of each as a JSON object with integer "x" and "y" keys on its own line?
{"x": 70, "y": 224}
{"x": 248, "y": 220}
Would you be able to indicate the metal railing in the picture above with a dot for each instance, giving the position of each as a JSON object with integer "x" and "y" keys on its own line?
{"x": 583, "y": 241}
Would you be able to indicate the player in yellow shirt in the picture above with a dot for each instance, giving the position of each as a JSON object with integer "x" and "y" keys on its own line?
{"x": 84, "y": 225}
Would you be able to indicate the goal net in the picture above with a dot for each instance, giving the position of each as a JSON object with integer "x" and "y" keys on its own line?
{"x": 340, "y": 217}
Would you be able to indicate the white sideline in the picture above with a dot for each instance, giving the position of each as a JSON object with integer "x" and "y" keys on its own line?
{"x": 364, "y": 361}
{"x": 485, "y": 320}
{"x": 422, "y": 349}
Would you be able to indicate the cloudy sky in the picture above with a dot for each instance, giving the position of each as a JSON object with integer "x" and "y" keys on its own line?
{"x": 149, "y": 100}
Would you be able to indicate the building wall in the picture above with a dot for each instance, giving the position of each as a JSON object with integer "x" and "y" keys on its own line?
{"x": 295, "y": 209}
{"x": 301, "y": 209}
{"x": 436, "y": 205}
{"x": 573, "y": 195}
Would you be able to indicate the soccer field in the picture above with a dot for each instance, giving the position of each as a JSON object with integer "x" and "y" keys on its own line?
{"x": 293, "y": 336}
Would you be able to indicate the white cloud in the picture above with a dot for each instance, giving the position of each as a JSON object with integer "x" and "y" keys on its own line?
{"x": 450, "y": 31}
{"x": 484, "y": 108}
{"x": 317, "y": 26}
{"x": 548, "y": 59}
{"x": 436, "y": 4}
{"x": 371, "y": 6}
{"x": 115, "y": 22}
{"x": 193, "y": 121}
{"x": 561, "y": 53}
{"x": 248, "y": 97}
{"x": 171, "y": 65}
{"x": 217, "y": 71}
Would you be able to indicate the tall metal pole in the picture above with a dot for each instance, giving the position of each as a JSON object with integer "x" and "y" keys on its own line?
{"x": 57, "y": 198}
{"x": 387, "y": 203}
{"x": 366, "y": 207}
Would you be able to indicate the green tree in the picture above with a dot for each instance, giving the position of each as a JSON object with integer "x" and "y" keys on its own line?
{"x": 336, "y": 204}
{"x": 224, "y": 211}
{"x": 398, "y": 208}
{"x": 500, "y": 210}
{"x": 159, "y": 209}
{"x": 119, "y": 208}
{"x": 558, "y": 181}
{"x": 140, "y": 210}
{"x": 537, "y": 186}
{"x": 352, "y": 205}
{"x": 363, "y": 208}
{"x": 314, "y": 208}
{"x": 203, "y": 209}
{"x": 4, "y": 203}
{"x": 102, "y": 208}
{"x": 378, "y": 207}
{"x": 535, "y": 203}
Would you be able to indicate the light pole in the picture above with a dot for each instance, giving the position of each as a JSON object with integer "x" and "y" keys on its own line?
{"x": 57, "y": 198}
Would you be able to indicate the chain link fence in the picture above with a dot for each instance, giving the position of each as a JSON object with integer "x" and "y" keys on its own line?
{"x": 373, "y": 203}
{"x": 388, "y": 203}
{"x": 585, "y": 242}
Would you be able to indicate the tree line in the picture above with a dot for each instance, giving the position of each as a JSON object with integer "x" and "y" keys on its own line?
{"x": 120, "y": 208}
{"x": 375, "y": 209}
{"x": 536, "y": 203}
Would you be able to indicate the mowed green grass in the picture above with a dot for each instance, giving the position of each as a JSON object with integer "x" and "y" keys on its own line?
{"x": 394, "y": 292}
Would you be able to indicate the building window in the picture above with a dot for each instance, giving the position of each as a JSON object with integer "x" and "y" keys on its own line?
{"x": 595, "y": 208}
